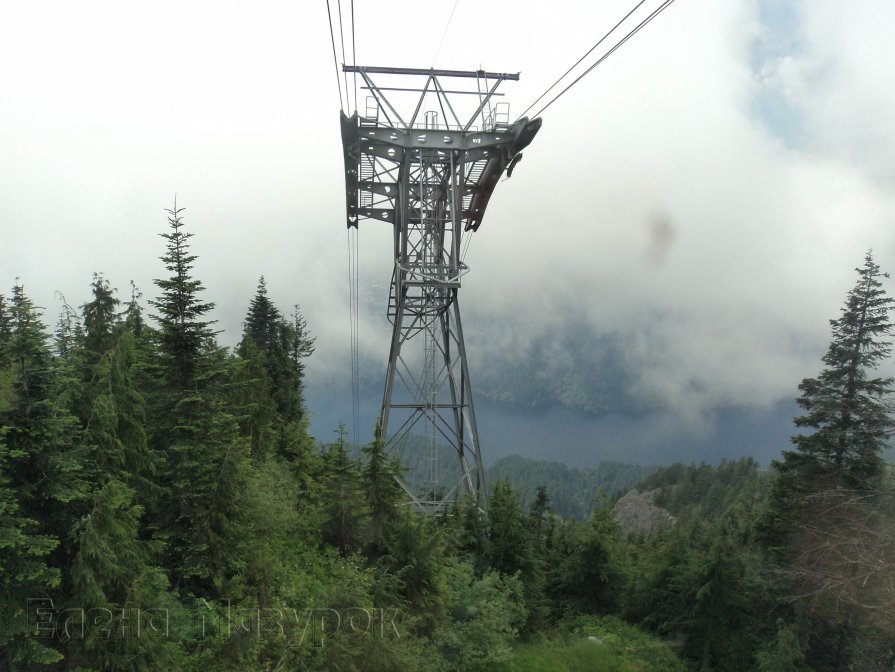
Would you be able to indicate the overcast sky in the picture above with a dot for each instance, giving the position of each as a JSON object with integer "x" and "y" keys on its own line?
{"x": 703, "y": 195}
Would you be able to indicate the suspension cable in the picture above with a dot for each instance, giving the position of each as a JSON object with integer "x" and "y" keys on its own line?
{"x": 627, "y": 37}
{"x": 444, "y": 34}
{"x": 354, "y": 54}
{"x": 342, "y": 38}
{"x": 578, "y": 62}
{"x": 332, "y": 37}
{"x": 356, "y": 336}
{"x": 353, "y": 318}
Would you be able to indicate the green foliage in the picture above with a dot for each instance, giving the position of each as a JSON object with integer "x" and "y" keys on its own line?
{"x": 846, "y": 406}
{"x": 150, "y": 470}
{"x": 573, "y": 492}
{"x": 24, "y": 573}
{"x": 782, "y": 654}
{"x": 586, "y": 568}
{"x": 830, "y": 508}
{"x": 383, "y": 494}
{"x": 703, "y": 491}
{"x": 184, "y": 335}
{"x": 343, "y": 500}
{"x": 606, "y": 644}
{"x": 484, "y": 616}
{"x": 508, "y": 547}
{"x": 282, "y": 345}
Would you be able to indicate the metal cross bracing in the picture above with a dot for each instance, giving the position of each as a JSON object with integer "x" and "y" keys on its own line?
{"x": 425, "y": 158}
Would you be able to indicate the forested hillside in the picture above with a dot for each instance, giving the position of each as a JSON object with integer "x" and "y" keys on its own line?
{"x": 162, "y": 507}
{"x": 574, "y": 492}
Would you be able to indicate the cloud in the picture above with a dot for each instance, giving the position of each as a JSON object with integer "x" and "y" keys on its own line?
{"x": 699, "y": 200}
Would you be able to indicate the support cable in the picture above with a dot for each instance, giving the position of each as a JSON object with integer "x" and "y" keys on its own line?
{"x": 342, "y": 37}
{"x": 444, "y": 34}
{"x": 353, "y": 331}
{"x": 332, "y": 36}
{"x": 356, "y": 336}
{"x": 627, "y": 37}
{"x": 578, "y": 62}
{"x": 354, "y": 54}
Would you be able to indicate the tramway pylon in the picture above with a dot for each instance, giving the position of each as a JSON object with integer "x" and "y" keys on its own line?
{"x": 425, "y": 157}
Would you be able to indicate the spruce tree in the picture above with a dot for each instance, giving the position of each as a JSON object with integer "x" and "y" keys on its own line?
{"x": 24, "y": 575}
{"x": 42, "y": 489}
{"x": 100, "y": 319}
{"x": 206, "y": 460}
{"x": 846, "y": 405}
{"x": 185, "y": 334}
{"x": 509, "y": 545}
{"x": 343, "y": 498}
{"x": 282, "y": 345}
{"x": 383, "y": 494}
{"x": 45, "y": 454}
{"x": 825, "y": 507}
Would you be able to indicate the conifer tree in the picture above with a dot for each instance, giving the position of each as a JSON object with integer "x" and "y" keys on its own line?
{"x": 540, "y": 516}
{"x": 383, "y": 495}
{"x": 5, "y": 320}
{"x": 24, "y": 575}
{"x": 282, "y": 345}
{"x": 100, "y": 319}
{"x": 185, "y": 334}
{"x": 846, "y": 406}
{"x": 206, "y": 460}
{"x": 69, "y": 334}
{"x": 343, "y": 498}
{"x": 250, "y": 399}
{"x": 825, "y": 508}
{"x": 509, "y": 546}
{"x": 46, "y": 460}
{"x": 42, "y": 490}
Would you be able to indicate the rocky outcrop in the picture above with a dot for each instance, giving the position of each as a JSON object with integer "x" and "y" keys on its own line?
{"x": 637, "y": 512}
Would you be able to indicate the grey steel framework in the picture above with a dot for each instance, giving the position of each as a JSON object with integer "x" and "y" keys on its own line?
{"x": 425, "y": 157}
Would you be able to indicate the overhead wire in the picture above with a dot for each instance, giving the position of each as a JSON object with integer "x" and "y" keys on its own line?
{"x": 444, "y": 34}
{"x": 587, "y": 53}
{"x": 342, "y": 38}
{"x": 353, "y": 234}
{"x": 353, "y": 54}
{"x": 332, "y": 36}
{"x": 627, "y": 37}
{"x": 353, "y": 314}
{"x": 354, "y": 286}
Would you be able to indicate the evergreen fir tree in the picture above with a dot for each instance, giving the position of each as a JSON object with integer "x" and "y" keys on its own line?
{"x": 343, "y": 498}
{"x": 383, "y": 495}
{"x": 509, "y": 546}
{"x": 822, "y": 510}
{"x": 250, "y": 399}
{"x": 262, "y": 319}
{"x": 24, "y": 575}
{"x": 100, "y": 319}
{"x": 206, "y": 460}
{"x": 846, "y": 405}
{"x": 69, "y": 333}
{"x": 5, "y": 320}
{"x": 42, "y": 490}
{"x": 185, "y": 334}
{"x": 46, "y": 460}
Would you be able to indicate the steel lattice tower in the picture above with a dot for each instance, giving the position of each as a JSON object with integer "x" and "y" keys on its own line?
{"x": 430, "y": 174}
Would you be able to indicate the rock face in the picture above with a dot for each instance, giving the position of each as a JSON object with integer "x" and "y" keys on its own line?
{"x": 637, "y": 512}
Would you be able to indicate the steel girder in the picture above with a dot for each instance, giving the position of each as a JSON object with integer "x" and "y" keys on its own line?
{"x": 431, "y": 179}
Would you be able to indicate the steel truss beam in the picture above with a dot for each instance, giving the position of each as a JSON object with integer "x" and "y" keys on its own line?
{"x": 426, "y": 160}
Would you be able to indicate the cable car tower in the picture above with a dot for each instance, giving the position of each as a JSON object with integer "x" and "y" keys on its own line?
{"x": 425, "y": 157}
